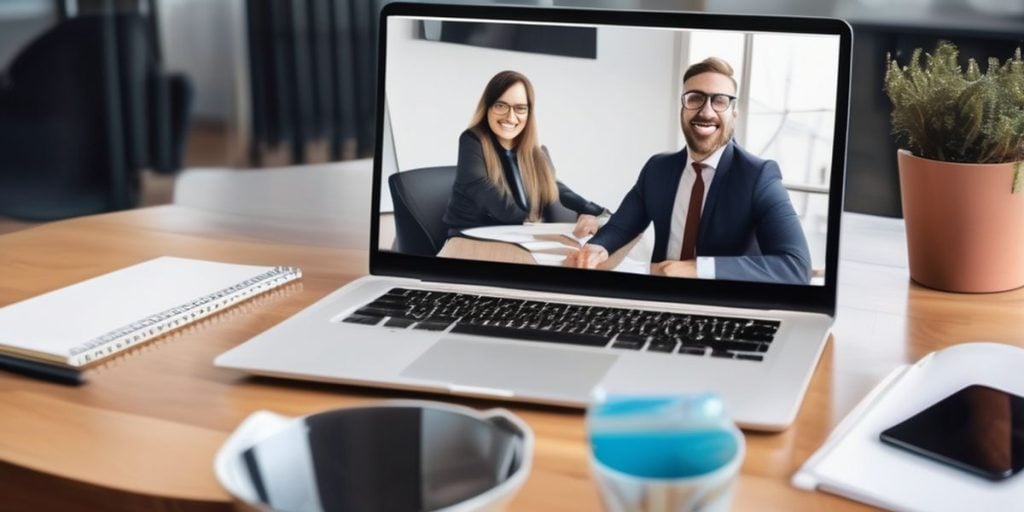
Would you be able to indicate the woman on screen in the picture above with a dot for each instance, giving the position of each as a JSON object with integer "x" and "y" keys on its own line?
{"x": 504, "y": 175}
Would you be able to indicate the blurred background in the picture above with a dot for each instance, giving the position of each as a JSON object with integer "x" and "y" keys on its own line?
{"x": 104, "y": 102}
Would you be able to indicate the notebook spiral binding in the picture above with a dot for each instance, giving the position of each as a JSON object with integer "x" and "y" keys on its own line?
{"x": 180, "y": 316}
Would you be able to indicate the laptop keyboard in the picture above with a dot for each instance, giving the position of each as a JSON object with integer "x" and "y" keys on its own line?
{"x": 593, "y": 326}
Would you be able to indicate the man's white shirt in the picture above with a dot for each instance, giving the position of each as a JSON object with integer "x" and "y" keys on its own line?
{"x": 705, "y": 265}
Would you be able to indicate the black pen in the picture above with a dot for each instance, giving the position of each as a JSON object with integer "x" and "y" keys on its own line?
{"x": 40, "y": 370}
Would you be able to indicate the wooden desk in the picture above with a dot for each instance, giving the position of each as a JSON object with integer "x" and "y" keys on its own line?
{"x": 142, "y": 434}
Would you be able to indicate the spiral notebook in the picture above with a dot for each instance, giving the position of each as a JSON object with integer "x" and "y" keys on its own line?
{"x": 88, "y": 321}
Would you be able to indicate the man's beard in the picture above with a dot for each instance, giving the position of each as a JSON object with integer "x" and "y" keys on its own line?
{"x": 706, "y": 146}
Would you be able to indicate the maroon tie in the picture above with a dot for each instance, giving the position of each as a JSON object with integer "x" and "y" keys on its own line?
{"x": 693, "y": 216}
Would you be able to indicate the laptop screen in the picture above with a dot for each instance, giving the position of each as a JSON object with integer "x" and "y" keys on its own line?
{"x": 680, "y": 148}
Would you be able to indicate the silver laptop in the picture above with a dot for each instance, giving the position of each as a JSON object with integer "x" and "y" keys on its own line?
{"x": 464, "y": 302}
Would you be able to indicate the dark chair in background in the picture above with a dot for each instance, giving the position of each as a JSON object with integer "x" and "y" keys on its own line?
{"x": 421, "y": 197}
{"x": 558, "y": 213}
{"x": 312, "y": 74}
{"x": 84, "y": 108}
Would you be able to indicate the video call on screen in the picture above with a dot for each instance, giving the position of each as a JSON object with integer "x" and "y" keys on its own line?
{"x": 607, "y": 105}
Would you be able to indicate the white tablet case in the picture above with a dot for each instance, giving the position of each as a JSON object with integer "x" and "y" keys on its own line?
{"x": 853, "y": 462}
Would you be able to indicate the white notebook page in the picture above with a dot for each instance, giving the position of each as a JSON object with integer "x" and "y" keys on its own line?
{"x": 56, "y": 322}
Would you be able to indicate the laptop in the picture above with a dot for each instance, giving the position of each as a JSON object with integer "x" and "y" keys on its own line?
{"x": 491, "y": 312}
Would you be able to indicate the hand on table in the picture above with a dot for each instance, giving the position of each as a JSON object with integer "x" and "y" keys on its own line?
{"x": 675, "y": 268}
{"x": 588, "y": 256}
{"x": 585, "y": 225}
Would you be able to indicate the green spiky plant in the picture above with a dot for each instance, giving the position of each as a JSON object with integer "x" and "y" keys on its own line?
{"x": 944, "y": 113}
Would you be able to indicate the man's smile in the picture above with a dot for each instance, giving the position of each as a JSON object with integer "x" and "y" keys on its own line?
{"x": 704, "y": 127}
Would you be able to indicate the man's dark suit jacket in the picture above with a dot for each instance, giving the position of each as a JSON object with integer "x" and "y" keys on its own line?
{"x": 748, "y": 223}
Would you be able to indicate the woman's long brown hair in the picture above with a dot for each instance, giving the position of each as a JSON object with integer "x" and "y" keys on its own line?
{"x": 538, "y": 176}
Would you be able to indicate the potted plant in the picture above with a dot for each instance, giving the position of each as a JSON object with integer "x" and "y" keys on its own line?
{"x": 961, "y": 175}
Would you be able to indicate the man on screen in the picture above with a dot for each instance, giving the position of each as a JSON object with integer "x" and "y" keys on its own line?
{"x": 719, "y": 212}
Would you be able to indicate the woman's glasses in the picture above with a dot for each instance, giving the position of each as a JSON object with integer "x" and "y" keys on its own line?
{"x": 695, "y": 100}
{"x": 501, "y": 108}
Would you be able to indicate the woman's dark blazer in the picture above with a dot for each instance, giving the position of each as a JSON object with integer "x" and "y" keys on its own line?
{"x": 476, "y": 201}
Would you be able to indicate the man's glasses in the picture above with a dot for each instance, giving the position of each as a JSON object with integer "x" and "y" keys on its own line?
{"x": 501, "y": 108}
{"x": 695, "y": 100}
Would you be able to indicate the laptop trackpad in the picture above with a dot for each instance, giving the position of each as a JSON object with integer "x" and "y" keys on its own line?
{"x": 521, "y": 369}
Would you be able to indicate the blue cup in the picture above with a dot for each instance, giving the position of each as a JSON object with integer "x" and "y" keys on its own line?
{"x": 666, "y": 453}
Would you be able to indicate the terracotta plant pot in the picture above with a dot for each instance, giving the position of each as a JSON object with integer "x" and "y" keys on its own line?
{"x": 965, "y": 229}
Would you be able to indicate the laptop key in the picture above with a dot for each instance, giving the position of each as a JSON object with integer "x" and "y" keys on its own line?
{"x": 632, "y": 338}
{"x": 378, "y": 311}
{"x": 739, "y": 346}
{"x": 750, "y": 357}
{"x": 430, "y": 325}
{"x": 390, "y": 300}
{"x": 446, "y": 320}
{"x": 626, "y": 341}
{"x": 362, "y": 319}
{"x": 590, "y": 340}
{"x": 693, "y": 351}
{"x": 756, "y": 336}
{"x": 399, "y": 322}
{"x": 724, "y": 354}
{"x": 690, "y": 341}
{"x": 662, "y": 346}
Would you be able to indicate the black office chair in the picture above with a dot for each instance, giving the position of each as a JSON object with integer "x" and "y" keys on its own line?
{"x": 558, "y": 213}
{"x": 421, "y": 197}
{"x": 83, "y": 108}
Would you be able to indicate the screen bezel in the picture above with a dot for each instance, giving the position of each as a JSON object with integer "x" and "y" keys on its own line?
{"x": 815, "y": 298}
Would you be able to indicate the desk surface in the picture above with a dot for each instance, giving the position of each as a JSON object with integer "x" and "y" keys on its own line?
{"x": 142, "y": 434}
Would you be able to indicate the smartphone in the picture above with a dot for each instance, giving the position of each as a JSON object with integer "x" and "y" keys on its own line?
{"x": 977, "y": 429}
